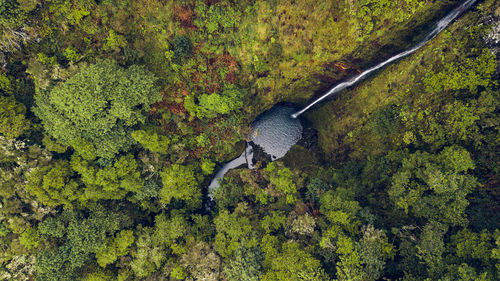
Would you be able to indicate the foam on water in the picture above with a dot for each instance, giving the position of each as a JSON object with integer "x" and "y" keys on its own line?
{"x": 275, "y": 131}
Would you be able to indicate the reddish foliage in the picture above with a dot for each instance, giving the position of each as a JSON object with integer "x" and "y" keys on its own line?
{"x": 185, "y": 16}
{"x": 231, "y": 78}
{"x": 214, "y": 122}
{"x": 158, "y": 105}
{"x": 492, "y": 186}
{"x": 211, "y": 79}
{"x": 213, "y": 87}
{"x": 335, "y": 71}
{"x": 177, "y": 108}
{"x": 315, "y": 213}
{"x": 197, "y": 153}
{"x": 313, "y": 210}
{"x": 212, "y": 2}
{"x": 376, "y": 44}
{"x": 342, "y": 66}
{"x": 232, "y": 66}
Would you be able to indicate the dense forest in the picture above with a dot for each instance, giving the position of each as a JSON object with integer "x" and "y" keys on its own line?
{"x": 115, "y": 115}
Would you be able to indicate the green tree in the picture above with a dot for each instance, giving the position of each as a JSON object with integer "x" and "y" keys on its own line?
{"x": 233, "y": 232}
{"x": 431, "y": 247}
{"x": 474, "y": 255}
{"x": 244, "y": 265}
{"x": 282, "y": 180}
{"x": 30, "y": 238}
{"x": 152, "y": 141}
{"x": 149, "y": 254}
{"x": 207, "y": 166}
{"x": 182, "y": 47}
{"x": 11, "y": 14}
{"x": 111, "y": 182}
{"x": 13, "y": 20}
{"x": 300, "y": 224}
{"x": 83, "y": 237}
{"x": 12, "y": 120}
{"x": 468, "y": 273}
{"x": 212, "y": 104}
{"x": 52, "y": 145}
{"x": 294, "y": 264}
{"x": 469, "y": 74}
{"x": 495, "y": 253}
{"x": 273, "y": 221}
{"x": 90, "y": 235}
{"x": 369, "y": 14}
{"x": 115, "y": 247}
{"x": 155, "y": 245}
{"x": 473, "y": 246}
{"x": 179, "y": 182}
{"x": 100, "y": 275}
{"x": 340, "y": 209}
{"x": 52, "y": 227}
{"x": 374, "y": 250}
{"x": 54, "y": 184}
{"x": 53, "y": 265}
{"x": 340, "y": 230}
{"x": 202, "y": 262}
{"x": 94, "y": 110}
{"x": 435, "y": 186}
{"x": 19, "y": 210}
{"x": 439, "y": 123}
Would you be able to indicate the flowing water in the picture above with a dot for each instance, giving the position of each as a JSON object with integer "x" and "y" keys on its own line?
{"x": 274, "y": 131}
{"x": 278, "y": 129}
{"x": 244, "y": 159}
{"x": 440, "y": 26}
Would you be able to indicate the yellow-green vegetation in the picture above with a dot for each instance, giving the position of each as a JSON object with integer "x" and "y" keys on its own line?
{"x": 13, "y": 122}
{"x": 435, "y": 97}
{"x": 94, "y": 109}
{"x": 115, "y": 115}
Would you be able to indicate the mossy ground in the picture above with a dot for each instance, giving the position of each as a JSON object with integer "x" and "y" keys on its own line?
{"x": 344, "y": 123}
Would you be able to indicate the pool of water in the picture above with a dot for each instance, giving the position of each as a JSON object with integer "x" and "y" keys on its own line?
{"x": 275, "y": 131}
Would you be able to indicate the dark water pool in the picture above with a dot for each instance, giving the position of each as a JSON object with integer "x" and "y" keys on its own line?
{"x": 274, "y": 131}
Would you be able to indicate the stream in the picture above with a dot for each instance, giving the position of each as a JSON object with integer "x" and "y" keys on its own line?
{"x": 275, "y": 131}
{"x": 440, "y": 26}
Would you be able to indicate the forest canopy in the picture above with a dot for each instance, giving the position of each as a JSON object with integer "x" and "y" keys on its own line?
{"x": 115, "y": 115}
{"x": 95, "y": 109}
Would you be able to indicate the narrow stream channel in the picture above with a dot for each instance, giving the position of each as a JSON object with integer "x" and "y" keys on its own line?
{"x": 440, "y": 26}
{"x": 274, "y": 131}
{"x": 278, "y": 129}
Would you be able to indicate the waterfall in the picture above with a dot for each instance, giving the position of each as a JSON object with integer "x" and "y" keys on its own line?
{"x": 440, "y": 26}
{"x": 274, "y": 131}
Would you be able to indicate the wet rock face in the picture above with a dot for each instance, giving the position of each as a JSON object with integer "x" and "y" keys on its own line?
{"x": 492, "y": 38}
{"x": 275, "y": 131}
{"x": 258, "y": 155}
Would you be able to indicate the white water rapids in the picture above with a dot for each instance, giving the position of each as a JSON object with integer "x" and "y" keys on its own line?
{"x": 440, "y": 26}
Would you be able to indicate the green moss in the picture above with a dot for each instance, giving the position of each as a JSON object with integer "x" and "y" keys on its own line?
{"x": 352, "y": 121}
